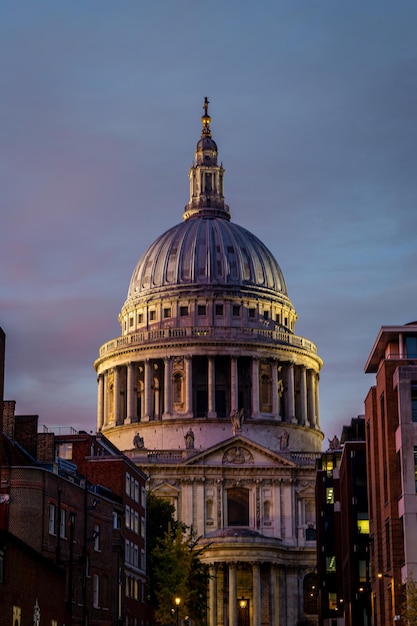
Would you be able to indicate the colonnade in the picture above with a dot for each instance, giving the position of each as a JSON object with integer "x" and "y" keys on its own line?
{"x": 249, "y": 604}
{"x": 162, "y": 388}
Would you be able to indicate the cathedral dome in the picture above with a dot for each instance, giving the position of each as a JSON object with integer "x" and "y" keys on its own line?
{"x": 207, "y": 251}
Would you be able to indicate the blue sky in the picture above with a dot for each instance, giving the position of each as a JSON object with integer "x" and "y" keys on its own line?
{"x": 313, "y": 108}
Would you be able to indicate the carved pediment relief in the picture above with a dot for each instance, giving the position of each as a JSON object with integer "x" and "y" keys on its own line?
{"x": 237, "y": 455}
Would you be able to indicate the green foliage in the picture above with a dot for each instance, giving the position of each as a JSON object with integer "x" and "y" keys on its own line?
{"x": 409, "y": 612}
{"x": 174, "y": 566}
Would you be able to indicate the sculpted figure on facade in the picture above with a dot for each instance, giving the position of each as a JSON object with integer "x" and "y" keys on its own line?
{"x": 189, "y": 439}
{"x": 237, "y": 418}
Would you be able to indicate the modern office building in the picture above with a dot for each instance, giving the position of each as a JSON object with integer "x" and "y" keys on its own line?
{"x": 391, "y": 440}
{"x": 210, "y": 391}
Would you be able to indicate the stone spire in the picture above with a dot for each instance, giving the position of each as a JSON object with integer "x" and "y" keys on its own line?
{"x": 206, "y": 177}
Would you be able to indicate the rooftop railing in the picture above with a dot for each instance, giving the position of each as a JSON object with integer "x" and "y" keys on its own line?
{"x": 231, "y": 334}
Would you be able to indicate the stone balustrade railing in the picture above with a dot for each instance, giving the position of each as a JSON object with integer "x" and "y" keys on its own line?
{"x": 144, "y": 337}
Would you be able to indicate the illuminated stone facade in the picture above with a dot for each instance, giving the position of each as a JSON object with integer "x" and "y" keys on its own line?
{"x": 212, "y": 393}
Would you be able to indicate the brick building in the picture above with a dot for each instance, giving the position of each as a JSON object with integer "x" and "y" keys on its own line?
{"x": 391, "y": 439}
{"x": 72, "y": 528}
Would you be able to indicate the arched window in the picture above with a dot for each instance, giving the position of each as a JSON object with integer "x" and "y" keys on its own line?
{"x": 310, "y": 594}
{"x": 238, "y": 506}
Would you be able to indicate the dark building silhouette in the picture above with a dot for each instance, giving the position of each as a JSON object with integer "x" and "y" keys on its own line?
{"x": 343, "y": 530}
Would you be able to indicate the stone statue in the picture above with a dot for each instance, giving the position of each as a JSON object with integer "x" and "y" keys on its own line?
{"x": 189, "y": 440}
{"x": 237, "y": 418}
{"x": 334, "y": 444}
{"x": 284, "y": 440}
{"x": 138, "y": 441}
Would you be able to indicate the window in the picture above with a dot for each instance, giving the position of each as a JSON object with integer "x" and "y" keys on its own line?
{"x": 167, "y": 312}
{"x": 136, "y": 522}
{"x": 96, "y": 537}
{"x": 414, "y": 402}
{"x": 251, "y": 313}
{"x": 332, "y": 601}
{"x": 117, "y": 521}
{"x": 127, "y": 516}
{"x": 64, "y": 451}
{"x": 130, "y": 322}
{"x": 140, "y": 318}
{"x": 201, "y": 309}
{"x": 62, "y": 523}
{"x": 310, "y": 594}
{"x": 143, "y": 499}
{"x": 236, "y": 310}
{"x": 219, "y": 309}
{"x": 52, "y": 510}
{"x": 415, "y": 467}
{"x": 330, "y": 564}
{"x": 183, "y": 311}
{"x": 152, "y": 316}
{"x": 329, "y": 495}
{"x": 238, "y": 506}
{"x": 136, "y": 498}
{"x": 128, "y": 484}
{"x": 142, "y": 527}
{"x": 411, "y": 346}
{"x": 363, "y": 523}
{"x": 266, "y": 315}
{"x": 96, "y": 590}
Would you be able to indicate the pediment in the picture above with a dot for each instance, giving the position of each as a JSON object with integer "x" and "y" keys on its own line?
{"x": 166, "y": 491}
{"x": 239, "y": 450}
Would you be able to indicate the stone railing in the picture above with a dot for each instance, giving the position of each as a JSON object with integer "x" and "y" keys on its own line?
{"x": 231, "y": 334}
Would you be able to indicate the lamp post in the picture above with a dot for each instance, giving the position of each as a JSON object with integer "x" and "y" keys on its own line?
{"x": 177, "y": 606}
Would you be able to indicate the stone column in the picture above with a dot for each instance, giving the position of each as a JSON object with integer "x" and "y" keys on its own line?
{"x": 290, "y": 393}
{"x": 106, "y": 398}
{"x": 188, "y": 386}
{"x": 275, "y": 409}
{"x": 303, "y": 394}
{"x": 100, "y": 401}
{"x": 167, "y": 386}
{"x": 311, "y": 400}
{"x": 257, "y": 604}
{"x": 273, "y": 596}
{"x": 211, "y": 388}
{"x": 116, "y": 396}
{"x": 232, "y": 595}
{"x": 233, "y": 384}
{"x": 213, "y": 596}
{"x": 255, "y": 387}
{"x": 317, "y": 404}
{"x": 131, "y": 394}
{"x": 147, "y": 391}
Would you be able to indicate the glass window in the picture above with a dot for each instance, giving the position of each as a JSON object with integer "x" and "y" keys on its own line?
{"x": 238, "y": 506}
{"x": 183, "y": 311}
{"x": 201, "y": 309}
{"x": 251, "y": 313}
{"x": 414, "y": 402}
{"x": 167, "y": 312}
{"x": 236, "y": 310}
{"x": 63, "y": 523}
{"x": 96, "y": 589}
{"x": 219, "y": 309}
{"x": 332, "y": 601}
{"x": 329, "y": 495}
{"x": 96, "y": 538}
{"x": 152, "y": 316}
{"x": 363, "y": 523}
{"x": 330, "y": 564}
{"x": 128, "y": 484}
{"x": 51, "y": 522}
{"x": 140, "y": 318}
{"x": 411, "y": 346}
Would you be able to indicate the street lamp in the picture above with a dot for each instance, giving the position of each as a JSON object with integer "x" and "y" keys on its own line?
{"x": 177, "y": 606}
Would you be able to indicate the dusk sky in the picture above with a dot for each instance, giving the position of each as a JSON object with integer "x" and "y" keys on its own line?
{"x": 314, "y": 111}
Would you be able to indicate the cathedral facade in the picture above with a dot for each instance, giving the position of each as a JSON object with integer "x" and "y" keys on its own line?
{"x": 210, "y": 391}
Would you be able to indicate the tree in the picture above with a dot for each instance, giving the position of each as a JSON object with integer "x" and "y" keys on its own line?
{"x": 174, "y": 566}
{"x": 409, "y": 611}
